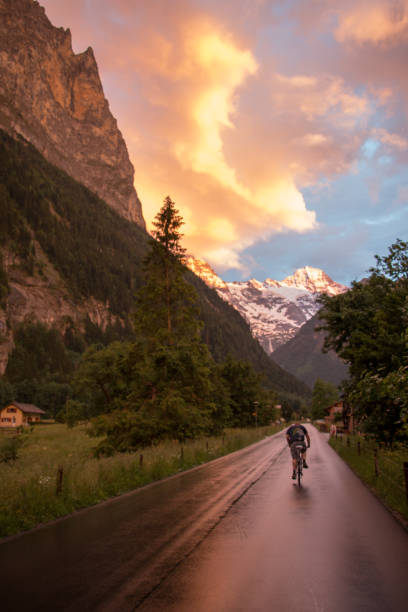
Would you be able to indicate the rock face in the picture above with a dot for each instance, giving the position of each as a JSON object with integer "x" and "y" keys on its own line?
{"x": 43, "y": 298}
{"x": 275, "y": 310}
{"x": 54, "y": 99}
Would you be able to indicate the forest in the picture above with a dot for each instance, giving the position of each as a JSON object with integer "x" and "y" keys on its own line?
{"x": 97, "y": 254}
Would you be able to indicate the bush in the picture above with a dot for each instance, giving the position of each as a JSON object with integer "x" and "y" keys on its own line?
{"x": 9, "y": 447}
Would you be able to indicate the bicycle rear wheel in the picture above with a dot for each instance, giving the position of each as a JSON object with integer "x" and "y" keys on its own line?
{"x": 299, "y": 472}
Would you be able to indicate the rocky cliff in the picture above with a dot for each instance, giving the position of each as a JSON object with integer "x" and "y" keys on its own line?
{"x": 43, "y": 297}
{"x": 54, "y": 99}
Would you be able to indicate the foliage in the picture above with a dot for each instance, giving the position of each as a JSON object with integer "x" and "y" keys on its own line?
{"x": 385, "y": 401}
{"x": 9, "y": 447}
{"x": 6, "y": 392}
{"x": 166, "y": 313}
{"x": 325, "y": 394}
{"x": 395, "y": 264}
{"x": 292, "y": 406}
{"x": 70, "y": 224}
{"x": 28, "y": 486}
{"x": 39, "y": 354}
{"x": 367, "y": 327}
{"x": 101, "y": 379}
{"x": 379, "y": 467}
{"x": 250, "y": 403}
{"x": 166, "y": 388}
{"x": 50, "y": 396}
{"x": 98, "y": 254}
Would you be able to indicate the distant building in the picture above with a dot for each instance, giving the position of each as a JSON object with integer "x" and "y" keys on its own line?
{"x": 346, "y": 422}
{"x": 17, "y": 415}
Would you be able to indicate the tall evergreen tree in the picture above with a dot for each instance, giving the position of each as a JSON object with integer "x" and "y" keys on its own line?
{"x": 166, "y": 304}
{"x": 173, "y": 388}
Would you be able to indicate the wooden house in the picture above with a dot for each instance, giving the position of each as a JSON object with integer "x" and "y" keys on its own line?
{"x": 346, "y": 422}
{"x": 17, "y": 414}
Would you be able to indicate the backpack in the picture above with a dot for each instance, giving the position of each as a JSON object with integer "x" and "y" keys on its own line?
{"x": 297, "y": 434}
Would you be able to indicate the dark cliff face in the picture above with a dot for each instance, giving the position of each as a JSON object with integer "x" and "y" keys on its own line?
{"x": 55, "y": 100}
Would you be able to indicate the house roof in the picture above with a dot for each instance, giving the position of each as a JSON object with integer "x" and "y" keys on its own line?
{"x": 27, "y": 408}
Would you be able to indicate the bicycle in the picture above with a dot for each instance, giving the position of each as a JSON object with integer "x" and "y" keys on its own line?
{"x": 300, "y": 449}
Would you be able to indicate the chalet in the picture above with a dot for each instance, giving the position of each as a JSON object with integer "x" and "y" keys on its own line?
{"x": 17, "y": 414}
{"x": 346, "y": 422}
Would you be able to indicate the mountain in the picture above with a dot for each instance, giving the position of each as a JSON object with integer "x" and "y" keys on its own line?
{"x": 54, "y": 99}
{"x": 72, "y": 235}
{"x": 71, "y": 261}
{"x": 275, "y": 310}
{"x": 303, "y": 356}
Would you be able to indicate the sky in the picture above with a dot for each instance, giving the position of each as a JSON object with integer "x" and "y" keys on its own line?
{"x": 278, "y": 128}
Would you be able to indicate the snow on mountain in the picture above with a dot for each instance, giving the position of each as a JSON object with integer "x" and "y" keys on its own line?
{"x": 205, "y": 272}
{"x": 275, "y": 310}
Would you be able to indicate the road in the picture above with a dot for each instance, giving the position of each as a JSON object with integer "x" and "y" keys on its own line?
{"x": 233, "y": 535}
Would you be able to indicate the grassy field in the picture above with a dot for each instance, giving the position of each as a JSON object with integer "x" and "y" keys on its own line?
{"x": 381, "y": 469}
{"x": 55, "y": 472}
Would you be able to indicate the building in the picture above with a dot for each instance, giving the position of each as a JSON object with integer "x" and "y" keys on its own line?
{"x": 341, "y": 415}
{"x": 17, "y": 415}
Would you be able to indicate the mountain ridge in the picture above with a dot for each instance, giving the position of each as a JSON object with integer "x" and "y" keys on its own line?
{"x": 302, "y": 355}
{"x": 91, "y": 272}
{"x": 275, "y": 310}
{"x": 54, "y": 99}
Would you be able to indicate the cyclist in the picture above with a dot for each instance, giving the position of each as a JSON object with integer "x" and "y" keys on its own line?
{"x": 296, "y": 434}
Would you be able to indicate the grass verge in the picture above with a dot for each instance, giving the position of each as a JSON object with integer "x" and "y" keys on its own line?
{"x": 381, "y": 469}
{"x": 55, "y": 472}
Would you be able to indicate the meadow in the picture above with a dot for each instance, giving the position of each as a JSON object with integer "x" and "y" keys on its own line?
{"x": 382, "y": 469}
{"x": 55, "y": 472}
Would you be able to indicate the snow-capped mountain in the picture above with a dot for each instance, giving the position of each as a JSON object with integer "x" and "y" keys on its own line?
{"x": 275, "y": 310}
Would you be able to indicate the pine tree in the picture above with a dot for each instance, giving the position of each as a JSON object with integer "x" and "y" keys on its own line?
{"x": 174, "y": 389}
{"x": 166, "y": 305}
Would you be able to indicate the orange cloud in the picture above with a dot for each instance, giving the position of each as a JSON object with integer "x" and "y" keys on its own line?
{"x": 373, "y": 21}
{"x": 229, "y": 133}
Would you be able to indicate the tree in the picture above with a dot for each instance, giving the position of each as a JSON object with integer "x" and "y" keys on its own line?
{"x": 100, "y": 383}
{"x": 385, "y": 403}
{"x": 395, "y": 264}
{"x": 6, "y": 392}
{"x": 325, "y": 394}
{"x": 166, "y": 305}
{"x": 172, "y": 382}
{"x": 367, "y": 327}
{"x": 250, "y": 404}
{"x": 39, "y": 355}
{"x": 52, "y": 396}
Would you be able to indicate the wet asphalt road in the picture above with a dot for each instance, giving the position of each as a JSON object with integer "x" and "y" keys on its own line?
{"x": 234, "y": 535}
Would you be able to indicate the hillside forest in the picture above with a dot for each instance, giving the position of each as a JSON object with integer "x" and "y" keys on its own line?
{"x": 51, "y": 220}
{"x": 131, "y": 374}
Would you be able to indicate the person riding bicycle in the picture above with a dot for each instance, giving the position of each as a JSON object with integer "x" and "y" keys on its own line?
{"x": 295, "y": 435}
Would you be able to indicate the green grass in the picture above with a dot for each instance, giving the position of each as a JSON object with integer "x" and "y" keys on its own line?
{"x": 28, "y": 485}
{"x": 389, "y": 484}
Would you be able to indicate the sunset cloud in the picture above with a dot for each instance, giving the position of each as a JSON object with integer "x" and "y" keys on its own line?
{"x": 395, "y": 141}
{"x": 241, "y": 110}
{"x": 373, "y": 21}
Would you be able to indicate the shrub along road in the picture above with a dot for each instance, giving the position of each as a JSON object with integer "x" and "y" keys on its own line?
{"x": 235, "y": 534}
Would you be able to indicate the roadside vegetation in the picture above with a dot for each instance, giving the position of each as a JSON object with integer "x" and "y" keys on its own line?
{"x": 381, "y": 468}
{"x": 54, "y": 471}
{"x": 130, "y": 411}
{"x": 368, "y": 328}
